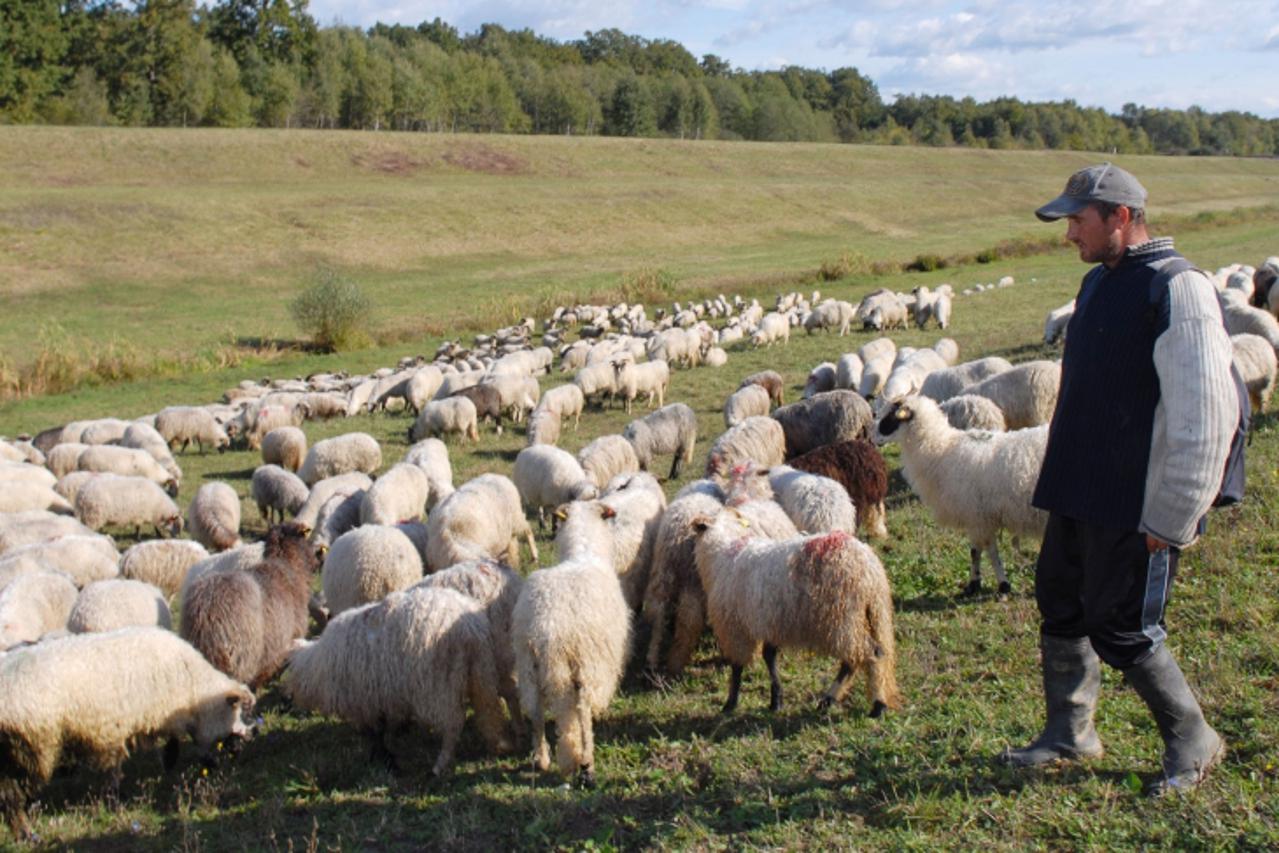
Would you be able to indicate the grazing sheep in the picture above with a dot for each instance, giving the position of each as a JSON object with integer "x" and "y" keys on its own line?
{"x": 563, "y": 401}
{"x": 596, "y": 381}
{"x": 826, "y": 593}
{"x": 859, "y": 467}
{"x": 815, "y": 504}
{"x": 1241, "y": 318}
{"x": 284, "y": 446}
{"x": 236, "y": 560}
{"x": 1026, "y": 394}
{"x": 339, "y": 515}
{"x": 881, "y": 310}
{"x": 482, "y": 519}
{"x": 848, "y": 371}
{"x": 606, "y": 457}
{"x": 547, "y": 476}
{"x": 398, "y": 495}
{"x": 162, "y": 563}
{"x": 637, "y": 503}
{"x": 103, "y": 431}
{"x": 27, "y": 528}
{"x": 184, "y": 425}
{"x": 21, "y": 451}
{"x": 772, "y": 328}
{"x": 831, "y": 314}
{"x": 23, "y": 472}
{"x": 488, "y": 403}
{"x": 142, "y": 436}
{"x": 1056, "y": 322}
{"x": 746, "y": 402}
{"x": 517, "y": 394}
{"x": 1254, "y": 358}
{"x": 367, "y": 564}
{"x": 910, "y": 374}
{"x": 55, "y": 704}
{"x": 977, "y": 482}
{"x": 112, "y": 604}
{"x": 820, "y": 378}
{"x": 266, "y": 418}
{"x": 343, "y": 454}
{"x": 823, "y": 419}
{"x": 277, "y": 492}
{"x": 213, "y": 518}
{"x": 770, "y": 381}
{"x": 422, "y": 386}
{"x": 32, "y": 604}
{"x": 756, "y": 438}
{"x": 670, "y": 429}
{"x": 244, "y": 621}
{"x": 441, "y": 417}
{"x": 650, "y": 378}
{"x": 84, "y": 559}
{"x": 715, "y": 357}
{"x": 127, "y": 501}
{"x": 24, "y": 496}
{"x": 496, "y": 588}
{"x": 949, "y": 382}
{"x": 543, "y": 428}
{"x": 571, "y": 632}
{"x": 419, "y": 656}
{"x": 432, "y": 456}
{"x": 875, "y": 373}
{"x": 127, "y": 462}
{"x": 968, "y": 411}
{"x": 322, "y": 492}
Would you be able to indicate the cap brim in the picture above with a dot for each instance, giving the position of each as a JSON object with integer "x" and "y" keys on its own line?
{"x": 1061, "y": 207}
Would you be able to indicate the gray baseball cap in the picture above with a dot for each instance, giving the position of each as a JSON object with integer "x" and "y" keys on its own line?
{"x": 1106, "y": 182}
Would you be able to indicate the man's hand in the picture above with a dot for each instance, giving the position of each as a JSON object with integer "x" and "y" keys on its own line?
{"x": 1153, "y": 544}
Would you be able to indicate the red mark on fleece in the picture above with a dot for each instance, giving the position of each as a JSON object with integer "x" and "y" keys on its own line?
{"x": 821, "y": 547}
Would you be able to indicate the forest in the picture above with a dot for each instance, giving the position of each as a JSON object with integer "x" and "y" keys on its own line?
{"x": 268, "y": 63}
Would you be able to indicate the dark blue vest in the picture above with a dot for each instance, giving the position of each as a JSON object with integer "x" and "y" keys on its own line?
{"x": 1099, "y": 440}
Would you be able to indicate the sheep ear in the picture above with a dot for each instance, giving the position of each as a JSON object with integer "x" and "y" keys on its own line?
{"x": 607, "y": 511}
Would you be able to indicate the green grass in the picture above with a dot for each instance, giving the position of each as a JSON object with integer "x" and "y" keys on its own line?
{"x": 672, "y": 772}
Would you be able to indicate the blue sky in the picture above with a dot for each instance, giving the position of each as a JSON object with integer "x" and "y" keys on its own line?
{"x": 1221, "y": 55}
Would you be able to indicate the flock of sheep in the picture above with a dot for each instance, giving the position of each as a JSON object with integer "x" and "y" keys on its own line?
{"x": 421, "y": 612}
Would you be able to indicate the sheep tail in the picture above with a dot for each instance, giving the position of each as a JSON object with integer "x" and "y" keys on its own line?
{"x": 882, "y": 669}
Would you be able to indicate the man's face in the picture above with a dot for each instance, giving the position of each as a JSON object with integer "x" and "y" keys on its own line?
{"x": 1099, "y": 240}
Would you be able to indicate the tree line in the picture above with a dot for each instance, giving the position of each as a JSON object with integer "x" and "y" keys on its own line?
{"x": 266, "y": 63}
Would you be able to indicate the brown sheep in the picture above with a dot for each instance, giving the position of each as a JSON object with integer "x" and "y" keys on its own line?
{"x": 859, "y": 467}
{"x": 487, "y": 400}
{"x": 244, "y": 622}
{"x": 770, "y": 381}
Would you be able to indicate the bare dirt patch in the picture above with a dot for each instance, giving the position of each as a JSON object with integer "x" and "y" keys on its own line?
{"x": 484, "y": 159}
{"x": 387, "y": 162}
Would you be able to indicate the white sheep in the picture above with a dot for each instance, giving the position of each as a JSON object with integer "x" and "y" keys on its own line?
{"x": 606, "y": 457}
{"x": 968, "y": 411}
{"x": 419, "y": 656}
{"x": 543, "y": 428}
{"x": 398, "y": 495}
{"x": 56, "y": 706}
{"x": 650, "y": 378}
{"x": 715, "y": 357}
{"x": 1026, "y": 394}
{"x": 772, "y": 328}
{"x": 442, "y": 417}
{"x": 547, "y": 476}
{"x": 84, "y": 559}
{"x": 162, "y": 563}
{"x": 324, "y": 491}
{"x": 941, "y": 385}
{"x": 815, "y": 504}
{"x": 340, "y": 514}
{"x": 976, "y": 482}
{"x": 1254, "y": 358}
{"x": 184, "y": 425}
{"x": 342, "y": 454}
{"x": 23, "y": 472}
{"x": 432, "y": 456}
{"x": 213, "y": 517}
{"x": 33, "y": 604}
{"x": 820, "y": 378}
{"x": 27, "y": 528}
{"x": 127, "y": 462}
{"x": 826, "y": 593}
{"x": 757, "y": 438}
{"x": 563, "y": 401}
{"x": 670, "y": 429}
{"x": 571, "y": 632}
{"x": 482, "y": 519}
{"x": 112, "y": 604}
{"x": 596, "y": 381}
{"x": 143, "y": 436}
{"x": 367, "y": 564}
{"x": 830, "y": 314}
{"x": 909, "y": 376}
{"x": 25, "y": 495}
{"x": 127, "y": 501}
{"x": 875, "y": 373}
{"x": 1242, "y": 318}
{"x": 284, "y": 446}
{"x": 277, "y": 491}
{"x": 1056, "y": 322}
{"x": 848, "y": 371}
{"x": 746, "y": 402}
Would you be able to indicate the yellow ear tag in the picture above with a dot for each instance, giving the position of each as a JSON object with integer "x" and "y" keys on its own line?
{"x": 743, "y": 522}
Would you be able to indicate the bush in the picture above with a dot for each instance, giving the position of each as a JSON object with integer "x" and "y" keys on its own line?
{"x": 927, "y": 263}
{"x": 647, "y": 285}
{"x": 331, "y": 311}
{"x": 849, "y": 263}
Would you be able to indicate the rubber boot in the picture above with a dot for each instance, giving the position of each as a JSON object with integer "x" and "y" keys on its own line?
{"x": 1191, "y": 746}
{"x": 1072, "y": 679}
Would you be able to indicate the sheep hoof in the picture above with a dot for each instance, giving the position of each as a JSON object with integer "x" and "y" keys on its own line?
{"x": 973, "y": 588}
{"x": 877, "y": 709}
{"x": 1005, "y": 588}
{"x": 729, "y": 708}
{"x": 586, "y": 777}
{"x": 825, "y": 703}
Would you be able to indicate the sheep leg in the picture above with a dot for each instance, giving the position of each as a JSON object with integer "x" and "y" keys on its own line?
{"x": 835, "y": 693}
{"x": 974, "y": 574}
{"x": 450, "y": 734}
{"x": 677, "y": 463}
{"x": 660, "y": 621}
{"x": 734, "y": 688}
{"x": 690, "y": 620}
{"x": 1004, "y": 586}
{"x": 379, "y": 753}
{"x": 169, "y": 758}
{"x": 775, "y": 683}
{"x": 532, "y": 545}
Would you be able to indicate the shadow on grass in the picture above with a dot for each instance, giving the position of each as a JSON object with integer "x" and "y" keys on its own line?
{"x": 258, "y": 343}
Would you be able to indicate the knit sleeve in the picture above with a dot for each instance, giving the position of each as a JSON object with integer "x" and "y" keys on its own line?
{"x": 1197, "y": 412}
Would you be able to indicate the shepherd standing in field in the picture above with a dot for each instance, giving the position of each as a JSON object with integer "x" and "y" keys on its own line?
{"x": 1136, "y": 449}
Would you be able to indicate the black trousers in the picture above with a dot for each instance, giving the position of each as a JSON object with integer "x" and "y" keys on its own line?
{"x": 1101, "y": 583}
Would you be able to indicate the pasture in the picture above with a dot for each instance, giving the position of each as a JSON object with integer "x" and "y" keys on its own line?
{"x": 672, "y": 772}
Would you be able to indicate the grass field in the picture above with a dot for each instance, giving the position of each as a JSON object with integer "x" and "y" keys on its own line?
{"x": 672, "y": 772}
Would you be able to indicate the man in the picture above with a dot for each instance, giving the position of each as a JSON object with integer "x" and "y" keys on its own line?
{"x": 1144, "y": 420}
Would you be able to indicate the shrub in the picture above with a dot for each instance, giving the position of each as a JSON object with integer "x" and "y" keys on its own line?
{"x": 927, "y": 263}
{"x": 331, "y": 311}
{"x": 849, "y": 263}
{"x": 647, "y": 285}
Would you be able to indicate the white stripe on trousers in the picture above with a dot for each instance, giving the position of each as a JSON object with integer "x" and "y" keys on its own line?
{"x": 1152, "y": 606}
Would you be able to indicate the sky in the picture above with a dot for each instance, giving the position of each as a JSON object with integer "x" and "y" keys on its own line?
{"x": 1216, "y": 54}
